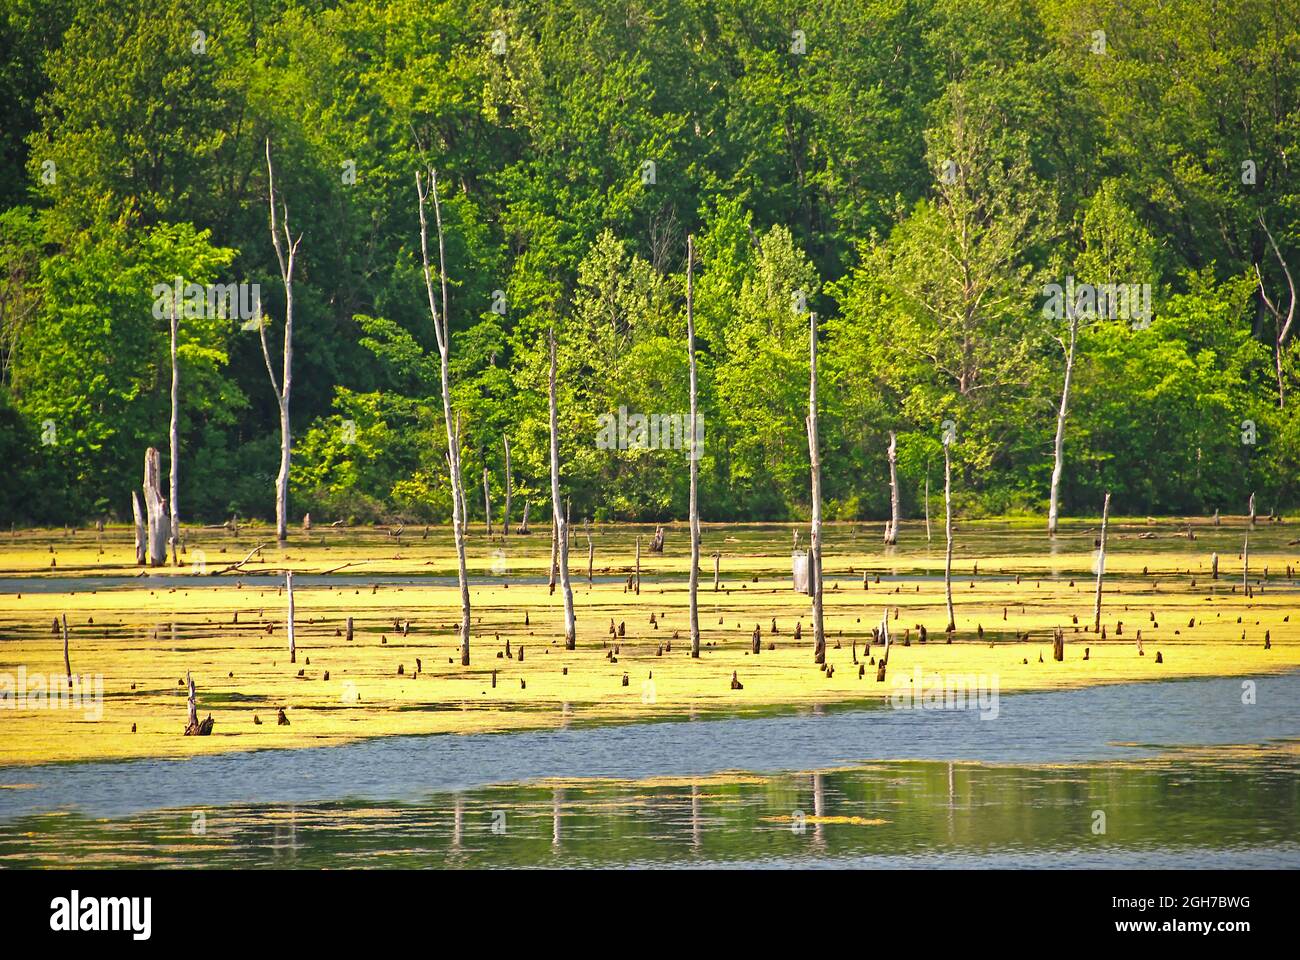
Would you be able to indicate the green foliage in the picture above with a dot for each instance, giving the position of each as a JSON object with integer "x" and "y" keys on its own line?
{"x": 913, "y": 172}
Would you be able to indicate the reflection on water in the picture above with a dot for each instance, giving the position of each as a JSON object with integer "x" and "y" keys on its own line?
{"x": 1093, "y": 724}
{"x": 1215, "y": 812}
{"x": 1124, "y": 775}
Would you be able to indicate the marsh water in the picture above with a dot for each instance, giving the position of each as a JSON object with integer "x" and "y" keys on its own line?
{"x": 1151, "y": 774}
{"x": 1165, "y": 774}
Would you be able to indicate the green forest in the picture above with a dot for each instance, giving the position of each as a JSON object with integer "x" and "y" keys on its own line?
{"x": 970, "y": 197}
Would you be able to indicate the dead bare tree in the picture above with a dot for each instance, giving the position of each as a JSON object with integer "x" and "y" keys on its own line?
{"x": 192, "y": 704}
{"x": 1101, "y": 563}
{"x": 505, "y": 520}
{"x": 947, "y": 511}
{"x": 1283, "y": 326}
{"x": 174, "y": 435}
{"x": 442, "y": 330}
{"x": 140, "y": 536}
{"x": 67, "y": 663}
{"x": 156, "y": 508}
{"x": 293, "y": 646}
{"x": 487, "y": 503}
{"x": 555, "y": 556}
{"x": 1058, "y": 461}
{"x": 561, "y": 524}
{"x": 927, "y": 501}
{"x": 891, "y": 532}
{"x": 694, "y": 453}
{"x": 284, "y": 387}
{"x": 814, "y": 457}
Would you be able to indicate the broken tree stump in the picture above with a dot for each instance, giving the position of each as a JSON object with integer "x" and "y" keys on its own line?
{"x": 155, "y": 507}
{"x": 140, "y": 542}
{"x": 193, "y": 728}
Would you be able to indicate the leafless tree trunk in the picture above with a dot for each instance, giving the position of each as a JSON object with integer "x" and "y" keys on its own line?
{"x": 694, "y": 453}
{"x": 67, "y": 664}
{"x": 293, "y": 647}
{"x": 1283, "y": 326}
{"x": 442, "y": 330}
{"x": 638, "y": 566}
{"x": 891, "y": 532}
{"x": 192, "y": 717}
{"x": 555, "y": 556}
{"x": 156, "y": 508}
{"x": 561, "y": 524}
{"x": 1250, "y": 506}
{"x": 947, "y": 523}
{"x": 140, "y": 537}
{"x": 1059, "y": 456}
{"x": 284, "y": 387}
{"x": 1101, "y": 563}
{"x": 927, "y": 502}
{"x": 814, "y": 457}
{"x": 487, "y": 503}
{"x": 505, "y": 525}
{"x": 591, "y": 558}
{"x": 460, "y": 490}
{"x": 174, "y": 433}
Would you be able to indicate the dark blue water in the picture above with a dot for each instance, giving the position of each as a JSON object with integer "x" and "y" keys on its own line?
{"x": 1087, "y": 725}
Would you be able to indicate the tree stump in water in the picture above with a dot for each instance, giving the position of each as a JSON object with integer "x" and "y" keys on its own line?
{"x": 140, "y": 539}
{"x": 159, "y": 525}
{"x": 880, "y": 671}
{"x": 193, "y": 728}
{"x": 657, "y": 544}
{"x": 1058, "y": 645}
{"x": 735, "y": 683}
{"x": 756, "y": 641}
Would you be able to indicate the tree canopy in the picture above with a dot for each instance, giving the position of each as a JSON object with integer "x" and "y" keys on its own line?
{"x": 917, "y": 173}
